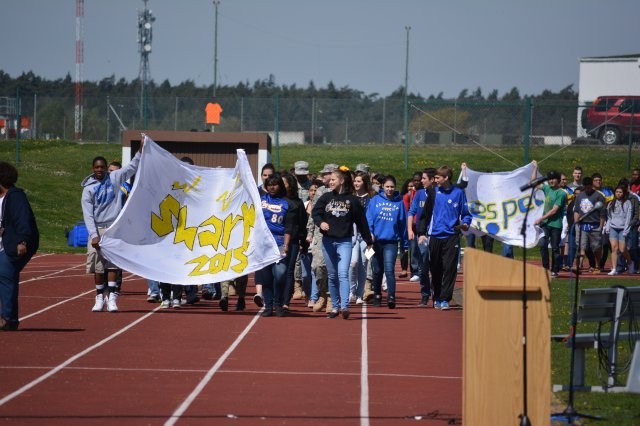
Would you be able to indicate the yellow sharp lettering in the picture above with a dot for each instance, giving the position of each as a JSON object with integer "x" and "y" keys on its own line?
{"x": 163, "y": 224}
{"x": 183, "y": 233}
{"x": 211, "y": 238}
{"x": 229, "y": 223}
{"x": 200, "y": 262}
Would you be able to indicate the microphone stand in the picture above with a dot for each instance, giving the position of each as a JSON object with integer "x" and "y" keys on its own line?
{"x": 570, "y": 413}
{"x": 524, "y": 418}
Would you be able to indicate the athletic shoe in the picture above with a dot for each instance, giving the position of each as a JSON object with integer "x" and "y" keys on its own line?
{"x": 153, "y": 298}
{"x": 112, "y": 305}
{"x": 403, "y": 274}
{"x": 345, "y": 314}
{"x": 206, "y": 294}
{"x": 424, "y": 301}
{"x": 414, "y": 279}
{"x": 165, "y": 304}
{"x": 280, "y": 311}
{"x": 224, "y": 304}
{"x": 377, "y": 301}
{"x": 8, "y": 325}
{"x": 444, "y": 305}
{"x": 554, "y": 275}
{"x": 257, "y": 299}
{"x": 436, "y": 304}
{"x": 175, "y": 303}
{"x": 310, "y": 303}
{"x": 99, "y": 305}
{"x": 391, "y": 302}
{"x": 267, "y": 313}
{"x": 359, "y": 301}
{"x": 613, "y": 272}
{"x": 332, "y": 314}
{"x": 193, "y": 300}
{"x": 241, "y": 304}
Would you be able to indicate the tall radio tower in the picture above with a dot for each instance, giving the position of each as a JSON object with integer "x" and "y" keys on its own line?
{"x": 79, "y": 62}
{"x": 145, "y": 34}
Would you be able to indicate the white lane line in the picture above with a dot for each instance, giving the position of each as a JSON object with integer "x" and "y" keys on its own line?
{"x": 74, "y": 358}
{"x": 364, "y": 371}
{"x": 62, "y": 302}
{"x": 41, "y": 277}
{"x": 212, "y": 371}
{"x": 223, "y": 371}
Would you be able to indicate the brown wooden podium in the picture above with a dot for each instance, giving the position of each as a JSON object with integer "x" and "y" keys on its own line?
{"x": 493, "y": 331}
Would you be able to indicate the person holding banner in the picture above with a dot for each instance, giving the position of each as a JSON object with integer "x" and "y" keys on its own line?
{"x": 551, "y": 220}
{"x": 282, "y": 221}
{"x": 589, "y": 217}
{"x": 101, "y": 204}
{"x": 335, "y": 213}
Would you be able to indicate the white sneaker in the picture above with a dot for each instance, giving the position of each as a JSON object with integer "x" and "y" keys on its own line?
{"x": 112, "y": 305}
{"x": 613, "y": 272}
{"x": 359, "y": 301}
{"x": 414, "y": 278}
{"x": 176, "y": 303}
{"x": 165, "y": 304}
{"x": 99, "y": 305}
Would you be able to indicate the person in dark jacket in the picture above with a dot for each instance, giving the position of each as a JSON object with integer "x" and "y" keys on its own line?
{"x": 335, "y": 213}
{"x": 19, "y": 239}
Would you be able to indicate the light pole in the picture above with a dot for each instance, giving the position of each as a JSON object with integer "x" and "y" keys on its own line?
{"x": 216, "y": 3}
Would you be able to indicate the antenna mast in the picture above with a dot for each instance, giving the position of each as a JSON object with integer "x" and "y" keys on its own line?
{"x": 145, "y": 35}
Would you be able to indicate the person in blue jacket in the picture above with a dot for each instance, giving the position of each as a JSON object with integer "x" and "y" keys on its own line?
{"x": 19, "y": 239}
{"x": 387, "y": 219}
{"x": 450, "y": 215}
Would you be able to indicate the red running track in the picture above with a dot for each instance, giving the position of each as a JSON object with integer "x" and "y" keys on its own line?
{"x": 200, "y": 365}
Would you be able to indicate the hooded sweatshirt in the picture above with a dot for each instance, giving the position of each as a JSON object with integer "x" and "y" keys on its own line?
{"x": 101, "y": 202}
{"x": 387, "y": 218}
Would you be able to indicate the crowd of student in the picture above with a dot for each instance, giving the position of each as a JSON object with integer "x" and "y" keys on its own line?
{"x": 340, "y": 233}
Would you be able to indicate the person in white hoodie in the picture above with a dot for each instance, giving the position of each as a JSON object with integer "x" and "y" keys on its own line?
{"x": 101, "y": 204}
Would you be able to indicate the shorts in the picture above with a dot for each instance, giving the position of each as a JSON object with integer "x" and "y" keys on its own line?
{"x": 96, "y": 262}
{"x": 591, "y": 239}
{"x": 615, "y": 234}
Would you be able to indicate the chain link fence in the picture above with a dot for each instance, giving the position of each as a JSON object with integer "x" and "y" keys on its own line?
{"x": 318, "y": 120}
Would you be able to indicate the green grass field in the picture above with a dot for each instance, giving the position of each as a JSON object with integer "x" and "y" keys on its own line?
{"x": 51, "y": 172}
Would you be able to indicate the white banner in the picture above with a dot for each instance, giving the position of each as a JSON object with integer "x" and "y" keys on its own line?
{"x": 498, "y": 206}
{"x": 185, "y": 224}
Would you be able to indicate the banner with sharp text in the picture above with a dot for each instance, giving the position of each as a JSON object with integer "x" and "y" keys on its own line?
{"x": 498, "y": 206}
{"x": 185, "y": 224}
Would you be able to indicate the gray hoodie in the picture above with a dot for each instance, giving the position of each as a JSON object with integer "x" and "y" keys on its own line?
{"x": 101, "y": 201}
{"x": 619, "y": 216}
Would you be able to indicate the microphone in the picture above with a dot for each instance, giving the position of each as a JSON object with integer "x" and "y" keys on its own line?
{"x": 534, "y": 182}
{"x": 596, "y": 206}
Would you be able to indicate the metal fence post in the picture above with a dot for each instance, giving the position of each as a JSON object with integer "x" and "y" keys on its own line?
{"x": 277, "y": 131}
{"x": 528, "y": 106}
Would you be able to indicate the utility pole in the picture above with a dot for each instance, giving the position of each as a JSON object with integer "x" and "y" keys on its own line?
{"x": 406, "y": 104}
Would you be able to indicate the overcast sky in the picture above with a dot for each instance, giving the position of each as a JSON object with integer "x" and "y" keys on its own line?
{"x": 453, "y": 45}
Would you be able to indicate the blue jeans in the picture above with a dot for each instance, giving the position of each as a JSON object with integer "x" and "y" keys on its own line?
{"x": 9, "y": 288}
{"x": 414, "y": 257}
{"x": 154, "y": 287}
{"x": 337, "y": 254}
{"x": 507, "y": 250}
{"x": 551, "y": 235}
{"x": 423, "y": 269}
{"x": 308, "y": 279}
{"x": 384, "y": 261}
{"x": 273, "y": 278}
{"x": 358, "y": 268}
